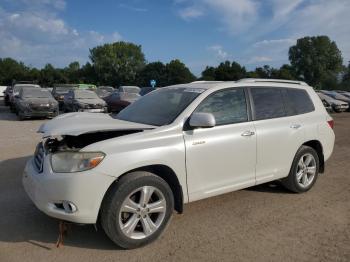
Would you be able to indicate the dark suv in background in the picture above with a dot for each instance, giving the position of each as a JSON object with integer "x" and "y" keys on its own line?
{"x": 35, "y": 102}
{"x": 59, "y": 91}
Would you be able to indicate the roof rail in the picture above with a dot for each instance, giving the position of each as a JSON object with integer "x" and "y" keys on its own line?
{"x": 263, "y": 80}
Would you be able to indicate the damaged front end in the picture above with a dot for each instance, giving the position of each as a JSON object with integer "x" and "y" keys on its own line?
{"x": 75, "y": 143}
{"x": 72, "y": 132}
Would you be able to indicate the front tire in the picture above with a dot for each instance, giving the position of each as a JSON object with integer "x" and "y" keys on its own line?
{"x": 304, "y": 171}
{"x": 137, "y": 209}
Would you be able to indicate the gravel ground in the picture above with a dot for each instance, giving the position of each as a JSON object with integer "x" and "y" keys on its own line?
{"x": 263, "y": 223}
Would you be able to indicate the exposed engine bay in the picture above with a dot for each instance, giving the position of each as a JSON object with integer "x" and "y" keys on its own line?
{"x": 75, "y": 143}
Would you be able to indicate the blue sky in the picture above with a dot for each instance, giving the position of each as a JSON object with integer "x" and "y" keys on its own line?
{"x": 199, "y": 32}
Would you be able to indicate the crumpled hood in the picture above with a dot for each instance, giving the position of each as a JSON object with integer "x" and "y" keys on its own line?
{"x": 75, "y": 124}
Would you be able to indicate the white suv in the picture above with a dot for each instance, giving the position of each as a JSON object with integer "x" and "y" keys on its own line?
{"x": 176, "y": 145}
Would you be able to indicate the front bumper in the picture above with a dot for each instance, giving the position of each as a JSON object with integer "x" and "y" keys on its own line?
{"x": 47, "y": 113}
{"x": 93, "y": 110}
{"x": 48, "y": 190}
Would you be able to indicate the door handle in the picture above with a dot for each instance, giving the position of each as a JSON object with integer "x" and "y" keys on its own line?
{"x": 248, "y": 133}
{"x": 295, "y": 126}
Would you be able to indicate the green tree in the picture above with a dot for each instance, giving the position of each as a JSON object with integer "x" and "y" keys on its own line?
{"x": 178, "y": 73}
{"x": 117, "y": 63}
{"x": 209, "y": 73}
{"x": 315, "y": 60}
{"x": 11, "y": 70}
{"x": 49, "y": 75}
{"x": 227, "y": 71}
{"x": 88, "y": 75}
{"x": 154, "y": 70}
{"x": 73, "y": 72}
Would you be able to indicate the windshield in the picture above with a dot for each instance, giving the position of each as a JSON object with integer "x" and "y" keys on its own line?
{"x": 36, "y": 93}
{"x": 129, "y": 89}
{"x": 160, "y": 107}
{"x": 63, "y": 89}
{"x": 84, "y": 94}
{"x": 105, "y": 88}
{"x": 17, "y": 88}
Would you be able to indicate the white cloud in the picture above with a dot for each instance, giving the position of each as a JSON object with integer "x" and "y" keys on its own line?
{"x": 38, "y": 38}
{"x": 133, "y": 8}
{"x": 259, "y": 59}
{"x": 274, "y": 42}
{"x": 236, "y": 16}
{"x": 219, "y": 51}
{"x": 190, "y": 13}
{"x": 255, "y": 24}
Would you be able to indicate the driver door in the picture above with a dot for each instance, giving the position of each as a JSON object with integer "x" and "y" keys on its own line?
{"x": 222, "y": 158}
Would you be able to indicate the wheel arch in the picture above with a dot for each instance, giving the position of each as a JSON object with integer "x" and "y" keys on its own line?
{"x": 317, "y": 146}
{"x": 166, "y": 173}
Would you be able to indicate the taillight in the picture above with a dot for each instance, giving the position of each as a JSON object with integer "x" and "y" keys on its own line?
{"x": 331, "y": 123}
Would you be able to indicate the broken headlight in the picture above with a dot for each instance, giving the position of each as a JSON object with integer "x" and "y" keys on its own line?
{"x": 68, "y": 162}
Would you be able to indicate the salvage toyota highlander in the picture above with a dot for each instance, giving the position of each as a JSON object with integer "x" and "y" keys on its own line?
{"x": 175, "y": 145}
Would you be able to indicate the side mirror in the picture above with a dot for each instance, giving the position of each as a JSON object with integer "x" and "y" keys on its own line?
{"x": 203, "y": 120}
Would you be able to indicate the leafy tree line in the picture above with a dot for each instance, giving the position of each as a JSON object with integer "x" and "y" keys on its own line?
{"x": 316, "y": 60}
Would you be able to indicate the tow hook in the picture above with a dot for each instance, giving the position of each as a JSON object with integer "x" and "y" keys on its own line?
{"x": 63, "y": 228}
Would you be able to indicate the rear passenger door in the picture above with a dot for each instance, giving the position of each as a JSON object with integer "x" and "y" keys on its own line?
{"x": 279, "y": 132}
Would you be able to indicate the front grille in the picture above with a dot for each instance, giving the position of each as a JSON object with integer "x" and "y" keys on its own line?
{"x": 39, "y": 107}
{"x": 39, "y": 157}
{"x": 93, "y": 106}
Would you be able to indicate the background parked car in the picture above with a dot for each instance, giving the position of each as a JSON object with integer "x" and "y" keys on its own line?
{"x": 327, "y": 105}
{"x": 59, "y": 91}
{"x": 2, "y": 91}
{"x": 79, "y": 100}
{"x": 146, "y": 90}
{"x": 35, "y": 102}
{"x": 117, "y": 101}
{"x": 337, "y": 96}
{"x": 337, "y": 105}
{"x": 344, "y": 93}
{"x": 86, "y": 86}
{"x": 7, "y": 93}
{"x": 129, "y": 89}
{"x": 15, "y": 92}
{"x": 103, "y": 91}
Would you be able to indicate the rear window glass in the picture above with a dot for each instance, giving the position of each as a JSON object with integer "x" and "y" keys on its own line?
{"x": 297, "y": 101}
{"x": 268, "y": 103}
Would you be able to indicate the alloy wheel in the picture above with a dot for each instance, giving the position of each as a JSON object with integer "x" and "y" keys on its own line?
{"x": 306, "y": 170}
{"x": 142, "y": 212}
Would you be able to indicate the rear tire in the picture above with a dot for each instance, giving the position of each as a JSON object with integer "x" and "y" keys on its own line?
{"x": 304, "y": 171}
{"x": 137, "y": 209}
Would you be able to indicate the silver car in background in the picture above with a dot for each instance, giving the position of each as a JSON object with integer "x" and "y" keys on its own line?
{"x": 337, "y": 105}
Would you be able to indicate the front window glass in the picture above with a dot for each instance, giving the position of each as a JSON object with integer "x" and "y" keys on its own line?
{"x": 227, "y": 106}
{"x": 160, "y": 107}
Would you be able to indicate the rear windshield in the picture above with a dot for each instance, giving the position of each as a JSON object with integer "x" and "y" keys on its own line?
{"x": 36, "y": 93}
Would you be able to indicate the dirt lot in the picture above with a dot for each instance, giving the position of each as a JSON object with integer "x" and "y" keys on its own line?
{"x": 264, "y": 223}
